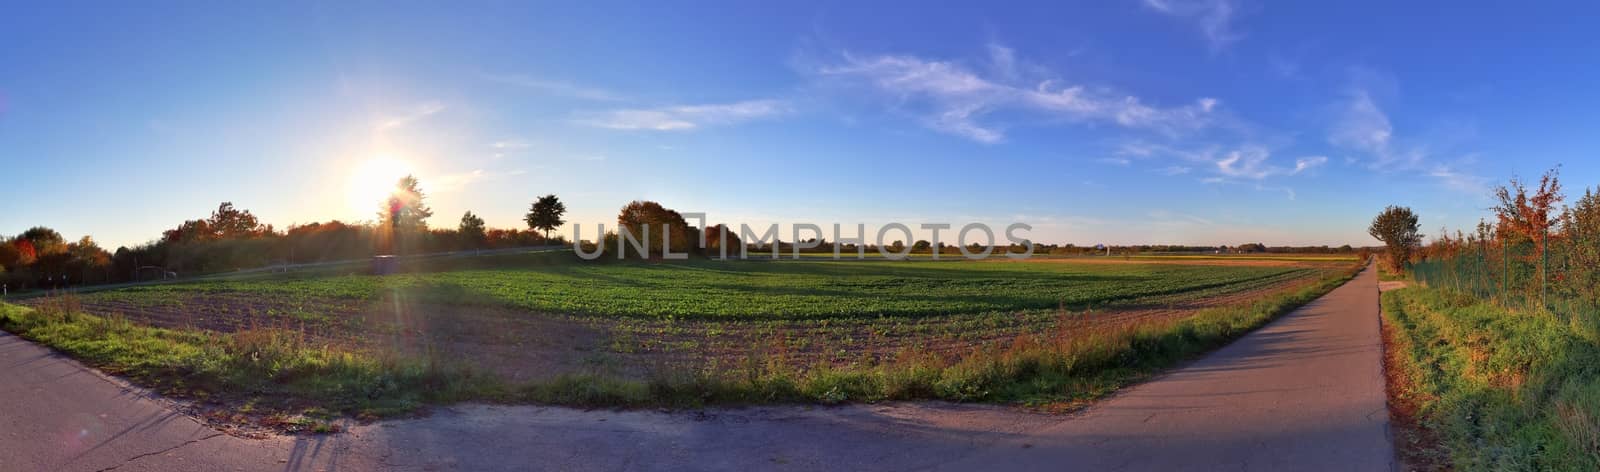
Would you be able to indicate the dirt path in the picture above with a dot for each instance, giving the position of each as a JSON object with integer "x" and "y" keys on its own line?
{"x": 1303, "y": 393}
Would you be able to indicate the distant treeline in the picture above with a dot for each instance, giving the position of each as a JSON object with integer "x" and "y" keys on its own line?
{"x": 233, "y": 239}
{"x": 925, "y": 247}
{"x": 1247, "y": 248}
{"x": 682, "y": 238}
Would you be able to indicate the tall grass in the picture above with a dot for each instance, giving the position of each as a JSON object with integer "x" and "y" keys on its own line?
{"x": 266, "y": 362}
{"x": 1505, "y": 389}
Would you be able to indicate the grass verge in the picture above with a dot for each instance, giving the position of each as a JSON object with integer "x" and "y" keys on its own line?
{"x": 1385, "y": 274}
{"x": 249, "y": 366}
{"x": 243, "y": 367}
{"x": 1502, "y": 389}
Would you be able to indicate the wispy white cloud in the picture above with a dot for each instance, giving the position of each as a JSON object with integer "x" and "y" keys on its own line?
{"x": 510, "y": 144}
{"x": 1288, "y": 192}
{"x": 1258, "y": 185}
{"x": 955, "y": 99}
{"x": 1136, "y": 148}
{"x": 1246, "y": 161}
{"x": 554, "y": 87}
{"x": 685, "y": 117}
{"x": 1361, "y": 125}
{"x": 1116, "y": 161}
{"x": 1308, "y": 163}
{"x": 1213, "y": 17}
{"x": 448, "y": 183}
{"x": 1004, "y": 60}
{"x": 452, "y": 182}
{"x": 420, "y": 111}
{"x": 1283, "y": 66}
{"x": 1169, "y": 217}
{"x": 1455, "y": 179}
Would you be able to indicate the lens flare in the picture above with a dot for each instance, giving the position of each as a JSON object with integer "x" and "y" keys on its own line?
{"x": 372, "y": 181}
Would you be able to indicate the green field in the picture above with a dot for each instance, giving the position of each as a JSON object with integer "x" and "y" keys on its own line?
{"x": 547, "y": 328}
{"x": 747, "y": 289}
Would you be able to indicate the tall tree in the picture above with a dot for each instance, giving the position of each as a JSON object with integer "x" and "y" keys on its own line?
{"x": 10, "y": 255}
{"x": 229, "y": 222}
{"x": 88, "y": 261}
{"x": 546, "y": 214}
{"x": 717, "y": 236}
{"x": 26, "y": 255}
{"x": 1525, "y": 217}
{"x": 665, "y": 227}
{"x": 405, "y": 209}
{"x": 192, "y": 230}
{"x": 45, "y": 241}
{"x": 472, "y": 230}
{"x": 1397, "y": 227}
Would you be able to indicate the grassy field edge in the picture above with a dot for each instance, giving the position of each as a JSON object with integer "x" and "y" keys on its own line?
{"x": 1500, "y": 389}
{"x": 276, "y": 370}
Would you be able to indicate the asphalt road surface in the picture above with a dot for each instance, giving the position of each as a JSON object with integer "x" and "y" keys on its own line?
{"x": 1303, "y": 393}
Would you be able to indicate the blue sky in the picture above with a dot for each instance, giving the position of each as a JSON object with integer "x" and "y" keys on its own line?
{"x": 1208, "y": 122}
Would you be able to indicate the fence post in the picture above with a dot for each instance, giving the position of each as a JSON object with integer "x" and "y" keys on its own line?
{"x": 1485, "y": 282}
{"x": 1544, "y": 266}
{"x": 1505, "y": 271}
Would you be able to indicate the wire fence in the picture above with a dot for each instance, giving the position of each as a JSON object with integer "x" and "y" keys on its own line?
{"x": 1559, "y": 275}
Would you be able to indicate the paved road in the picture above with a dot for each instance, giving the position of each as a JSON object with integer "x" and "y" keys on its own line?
{"x": 1303, "y": 393}
{"x": 1306, "y": 392}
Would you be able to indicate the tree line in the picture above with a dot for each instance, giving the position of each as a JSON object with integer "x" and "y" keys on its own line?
{"x": 681, "y": 238}
{"x": 1534, "y": 250}
{"x": 233, "y": 238}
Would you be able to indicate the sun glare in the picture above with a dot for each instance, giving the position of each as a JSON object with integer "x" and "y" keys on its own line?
{"x": 372, "y": 181}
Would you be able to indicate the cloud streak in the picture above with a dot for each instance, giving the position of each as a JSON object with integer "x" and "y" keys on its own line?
{"x": 1361, "y": 125}
{"x": 1214, "y": 18}
{"x": 418, "y": 112}
{"x": 448, "y": 183}
{"x": 684, "y": 117}
{"x": 553, "y": 87}
{"x": 954, "y": 99}
{"x": 1307, "y": 163}
{"x": 1246, "y": 161}
{"x": 510, "y": 145}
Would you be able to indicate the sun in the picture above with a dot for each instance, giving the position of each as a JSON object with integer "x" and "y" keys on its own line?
{"x": 372, "y": 181}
